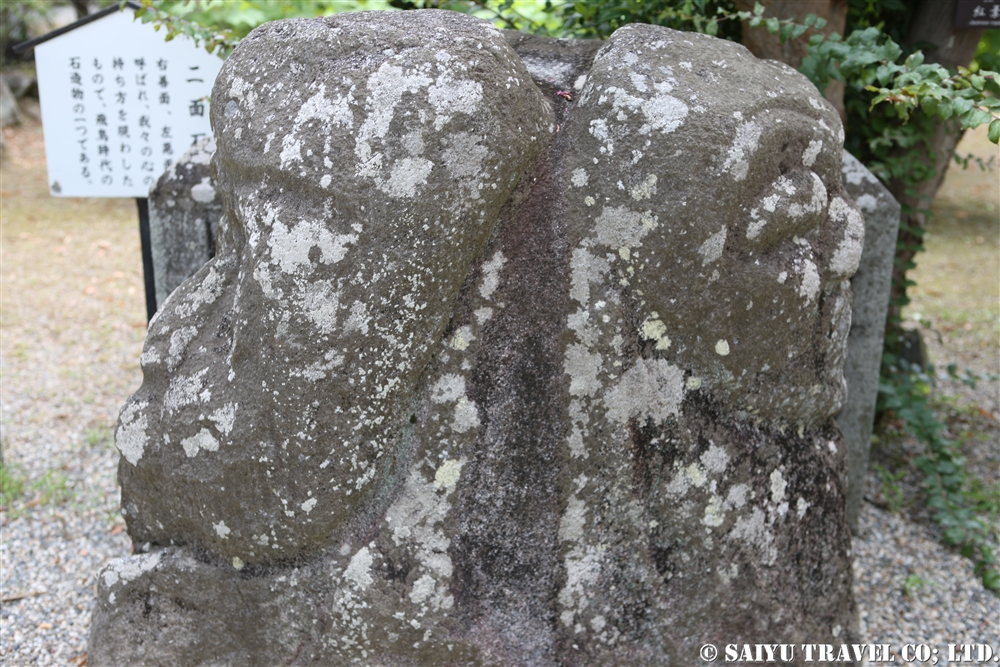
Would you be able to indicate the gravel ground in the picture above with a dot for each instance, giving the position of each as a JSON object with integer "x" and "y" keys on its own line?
{"x": 72, "y": 328}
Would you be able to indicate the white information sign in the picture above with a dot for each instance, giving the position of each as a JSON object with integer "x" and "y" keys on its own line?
{"x": 119, "y": 104}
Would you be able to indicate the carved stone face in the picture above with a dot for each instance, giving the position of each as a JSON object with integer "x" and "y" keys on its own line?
{"x": 364, "y": 163}
{"x": 729, "y": 230}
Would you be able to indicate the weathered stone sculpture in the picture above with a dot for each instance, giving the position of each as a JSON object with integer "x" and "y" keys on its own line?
{"x": 494, "y": 371}
{"x": 184, "y": 213}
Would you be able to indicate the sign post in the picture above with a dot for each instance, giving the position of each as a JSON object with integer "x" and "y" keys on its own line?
{"x": 977, "y": 14}
{"x": 119, "y": 105}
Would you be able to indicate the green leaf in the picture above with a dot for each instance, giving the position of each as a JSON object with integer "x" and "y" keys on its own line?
{"x": 773, "y": 25}
{"x": 945, "y": 109}
{"x": 810, "y": 20}
{"x": 976, "y": 117}
{"x": 994, "y": 131}
{"x": 915, "y": 60}
{"x": 961, "y": 105}
{"x": 786, "y": 32}
{"x": 758, "y": 9}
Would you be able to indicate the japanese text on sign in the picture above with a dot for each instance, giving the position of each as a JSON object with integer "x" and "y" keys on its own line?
{"x": 130, "y": 106}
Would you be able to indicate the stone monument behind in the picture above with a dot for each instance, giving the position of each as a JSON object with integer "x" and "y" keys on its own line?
{"x": 501, "y": 360}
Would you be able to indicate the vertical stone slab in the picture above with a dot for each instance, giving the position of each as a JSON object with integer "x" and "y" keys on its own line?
{"x": 871, "y": 285}
{"x": 184, "y": 213}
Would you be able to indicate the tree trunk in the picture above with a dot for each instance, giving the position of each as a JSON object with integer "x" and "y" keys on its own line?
{"x": 763, "y": 44}
{"x": 81, "y": 8}
{"x": 933, "y": 24}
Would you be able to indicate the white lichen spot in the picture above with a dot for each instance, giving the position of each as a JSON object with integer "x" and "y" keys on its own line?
{"x": 847, "y": 256}
{"x": 203, "y": 192}
{"x": 711, "y": 249}
{"x": 778, "y": 485}
{"x": 184, "y": 390}
{"x": 617, "y": 226}
{"x": 856, "y": 173}
{"x": 308, "y": 505}
{"x": 423, "y": 588}
{"x": 222, "y": 530}
{"x": 782, "y": 277}
{"x": 693, "y": 383}
{"x": 358, "y": 572}
{"x": 149, "y": 356}
{"x": 722, "y": 347}
{"x": 715, "y": 459}
{"x": 461, "y": 338}
{"x": 358, "y": 319}
{"x": 290, "y": 246}
{"x": 810, "y": 154}
{"x": 406, "y": 175}
{"x": 754, "y": 530}
{"x": 446, "y": 477}
{"x": 582, "y": 567}
{"x": 655, "y": 329}
{"x": 291, "y": 150}
{"x": 651, "y": 389}
{"x": 224, "y": 418}
{"x": 582, "y": 366}
{"x": 482, "y": 315}
{"x": 208, "y": 291}
{"x": 809, "y": 288}
{"x": 131, "y": 437}
{"x": 585, "y": 269}
{"x": 237, "y": 562}
{"x": 737, "y": 496}
{"x": 202, "y": 440}
{"x": 743, "y": 147}
{"x": 449, "y": 387}
{"x": 491, "y": 275}
{"x": 573, "y": 521}
{"x": 450, "y": 96}
{"x": 466, "y": 415}
{"x": 130, "y": 568}
{"x": 664, "y": 113}
{"x": 644, "y": 190}
{"x": 579, "y": 178}
{"x": 695, "y": 475}
{"x": 801, "y": 505}
{"x": 714, "y": 514}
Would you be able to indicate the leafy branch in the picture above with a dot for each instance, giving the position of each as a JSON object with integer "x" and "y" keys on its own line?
{"x": 221, "y": 42}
